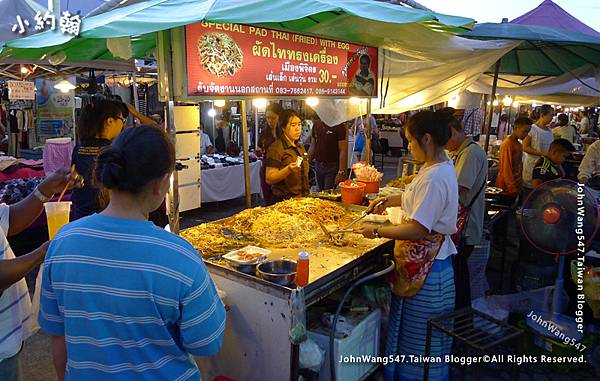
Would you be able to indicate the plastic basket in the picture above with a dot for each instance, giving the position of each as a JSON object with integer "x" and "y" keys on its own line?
{"x": 352, "y": 194}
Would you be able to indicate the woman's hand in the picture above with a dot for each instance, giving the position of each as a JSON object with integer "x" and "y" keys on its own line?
{"x": 294, "y": 167}
{"x": 378, "y": 205}
{"x": 367, "y": 230}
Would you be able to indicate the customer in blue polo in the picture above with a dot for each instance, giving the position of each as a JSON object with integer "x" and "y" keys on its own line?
{"x": 122, "y": 298}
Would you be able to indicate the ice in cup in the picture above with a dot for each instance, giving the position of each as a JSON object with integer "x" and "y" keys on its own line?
{"x": 57, "y": 214}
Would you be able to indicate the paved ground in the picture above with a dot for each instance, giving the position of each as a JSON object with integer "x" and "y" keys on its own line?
{"x": 36, "y": 354}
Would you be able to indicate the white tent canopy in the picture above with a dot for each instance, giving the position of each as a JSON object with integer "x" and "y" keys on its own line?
{"x": 423, "y": 67}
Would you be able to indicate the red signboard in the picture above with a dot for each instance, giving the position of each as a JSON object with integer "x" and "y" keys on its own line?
{"x": 244, "y": 60}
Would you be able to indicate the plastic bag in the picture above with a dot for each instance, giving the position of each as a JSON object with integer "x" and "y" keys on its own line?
{"x": 311, "y": 355}
{"x": 538, "y": 300}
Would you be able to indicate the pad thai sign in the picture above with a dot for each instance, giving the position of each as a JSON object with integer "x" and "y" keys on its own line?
{"x": 244, "y": 60}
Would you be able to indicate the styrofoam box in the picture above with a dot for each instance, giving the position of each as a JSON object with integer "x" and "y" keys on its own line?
{"x": 364, "y": 340}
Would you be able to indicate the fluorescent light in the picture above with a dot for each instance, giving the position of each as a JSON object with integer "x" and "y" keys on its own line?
{"x": 454, "y": 101}
{"x": 260, "y": 103}
{"x": 355, "y": 100}
{"x": 64, "y": 86}
{"x": 312, "y": 101}
{"x": 219, "y": 103}
{"x": 212, "y": 112}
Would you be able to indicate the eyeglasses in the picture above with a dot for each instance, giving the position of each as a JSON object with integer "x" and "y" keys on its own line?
{"x": 123, "y": 119}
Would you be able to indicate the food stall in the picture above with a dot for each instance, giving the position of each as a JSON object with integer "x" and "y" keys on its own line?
{"x": 235, "y": 62}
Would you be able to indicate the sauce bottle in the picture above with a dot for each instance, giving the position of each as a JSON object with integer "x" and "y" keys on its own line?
{"x": 302, "y": 269}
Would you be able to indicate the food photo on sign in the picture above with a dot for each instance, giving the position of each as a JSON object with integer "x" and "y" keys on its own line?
{"x": 244, "y": 60}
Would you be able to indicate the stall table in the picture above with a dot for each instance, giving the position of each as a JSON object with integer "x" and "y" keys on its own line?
{"x": 257, "y": 336}
{"x": 227, "y": 183}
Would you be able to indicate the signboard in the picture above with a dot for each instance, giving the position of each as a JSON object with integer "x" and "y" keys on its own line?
{"x": 54, "y": 111}
{"x": 244, "y": 60}
{"x": 21, "y": 90}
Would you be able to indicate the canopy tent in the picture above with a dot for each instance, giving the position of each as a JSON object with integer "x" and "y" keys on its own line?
{"x": 542, "y": 52}
{"x": 155, "y": 15}
{"x": 423, "y": 37}
{"x": 549, "y": 14}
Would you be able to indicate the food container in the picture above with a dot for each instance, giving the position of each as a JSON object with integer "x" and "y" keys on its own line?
{"x": 281, "y": 271}
{"x": 395, "y": 215}
{"x": 377, "y": 218}
{"x": 371, "y": 186}
{"x": 352, "y": 192}
{"x": 236, "y": 260}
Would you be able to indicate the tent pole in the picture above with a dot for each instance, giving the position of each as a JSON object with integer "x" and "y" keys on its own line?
{"x": 164, "y": 53}
{"x": 491, "y": 114}
{"x": 246, "y": 156}
{"x": 136, "y": 97}
{"x": 368, "y": 133}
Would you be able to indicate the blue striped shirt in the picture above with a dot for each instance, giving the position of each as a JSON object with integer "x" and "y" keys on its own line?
{"x": 133, "y": 301}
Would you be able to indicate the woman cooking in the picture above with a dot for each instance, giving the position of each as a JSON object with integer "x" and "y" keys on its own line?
{"x": 424, "y": 280}
{"x": 268, "y": 135}
{"x": 287, "y": 160}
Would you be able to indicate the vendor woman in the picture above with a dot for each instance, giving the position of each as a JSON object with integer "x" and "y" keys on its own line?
{"x": 287, "y": 160}
{"x": 429, "y": 205}
{"x": 99, "y": 123}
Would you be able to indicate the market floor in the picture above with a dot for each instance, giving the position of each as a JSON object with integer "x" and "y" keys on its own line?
{"x": 36, "y": 356}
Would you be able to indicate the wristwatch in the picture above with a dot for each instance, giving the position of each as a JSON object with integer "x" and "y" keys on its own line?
{"x": 40, "y": 196}
{"x": 376, "y": 232}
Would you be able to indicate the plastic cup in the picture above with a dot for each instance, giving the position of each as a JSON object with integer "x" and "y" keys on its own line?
{"x": 57, "y": 214}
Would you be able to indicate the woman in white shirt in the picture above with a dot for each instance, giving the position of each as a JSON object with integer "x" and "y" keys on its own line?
{"x": 537, "y": 143}
{"x": 430, "y": 206}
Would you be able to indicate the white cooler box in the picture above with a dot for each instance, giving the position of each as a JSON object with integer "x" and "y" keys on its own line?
{"x": 364, "y": 340}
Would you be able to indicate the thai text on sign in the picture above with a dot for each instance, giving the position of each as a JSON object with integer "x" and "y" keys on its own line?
{"x": 21, "y": 90}
{"x": 245, "y": 60}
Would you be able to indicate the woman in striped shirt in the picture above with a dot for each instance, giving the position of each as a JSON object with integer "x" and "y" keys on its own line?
{"x": 122, "y": 298}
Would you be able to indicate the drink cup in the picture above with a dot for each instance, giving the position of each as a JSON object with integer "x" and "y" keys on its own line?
{"x": 57, "y": 214}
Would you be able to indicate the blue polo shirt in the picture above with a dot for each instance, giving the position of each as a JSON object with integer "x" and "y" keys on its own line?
{"x": 132, "y": 300}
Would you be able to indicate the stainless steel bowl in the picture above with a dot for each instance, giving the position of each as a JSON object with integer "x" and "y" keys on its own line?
{"x": 248, "y": 268}
{"x": 282, "y": 271}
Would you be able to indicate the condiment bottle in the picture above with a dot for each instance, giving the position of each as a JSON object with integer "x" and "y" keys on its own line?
{"x": 302, "y": 269}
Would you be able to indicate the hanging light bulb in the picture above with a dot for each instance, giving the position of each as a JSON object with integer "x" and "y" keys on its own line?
{"x": 212, "y": 112}
{"x": 516, "y": 104}
{"x": 24, "y": 70}
{"x": 219, "y": 103}
{"x": 312, "y": 101}
{"x": 507, "y": 101}
{"x": 64, "y": 86}
{"x": 496, "y": 103}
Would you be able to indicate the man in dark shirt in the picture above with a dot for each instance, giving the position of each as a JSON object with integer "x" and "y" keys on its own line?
{"x": 329, "y": 150}
{"x": 549, "y": 166}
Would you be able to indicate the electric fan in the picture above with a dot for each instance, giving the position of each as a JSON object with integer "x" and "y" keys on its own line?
{"x": 550, "y": 219}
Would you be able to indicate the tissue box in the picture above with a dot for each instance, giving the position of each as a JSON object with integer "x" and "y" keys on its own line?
{"x": 364, "y": 340}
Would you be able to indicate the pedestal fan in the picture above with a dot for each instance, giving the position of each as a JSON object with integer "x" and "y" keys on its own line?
{"x": 549, "y": 219}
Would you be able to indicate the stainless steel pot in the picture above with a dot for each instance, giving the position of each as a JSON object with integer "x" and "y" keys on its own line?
{"x": 282, "y": 271}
